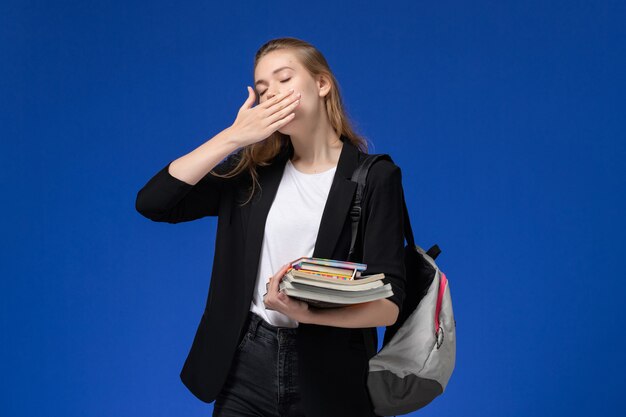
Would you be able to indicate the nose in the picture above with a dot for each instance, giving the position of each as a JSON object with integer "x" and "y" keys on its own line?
{"x": 271, "y": 94}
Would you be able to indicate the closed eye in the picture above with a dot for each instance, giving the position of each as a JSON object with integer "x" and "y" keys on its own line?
{"x": 283, "y": 81}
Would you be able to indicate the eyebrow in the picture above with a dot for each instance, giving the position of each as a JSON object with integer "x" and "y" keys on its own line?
{"x": 273, "y": 72}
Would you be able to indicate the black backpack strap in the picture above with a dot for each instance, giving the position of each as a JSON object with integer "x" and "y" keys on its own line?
{"x": 360, "y": 176}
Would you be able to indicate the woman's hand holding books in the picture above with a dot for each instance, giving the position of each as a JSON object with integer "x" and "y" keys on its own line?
{"x": 277, "y": 300}
{"x": 323, "y": 283}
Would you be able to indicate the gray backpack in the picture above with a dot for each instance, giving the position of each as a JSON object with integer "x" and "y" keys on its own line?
{"x": 419, "y": 350}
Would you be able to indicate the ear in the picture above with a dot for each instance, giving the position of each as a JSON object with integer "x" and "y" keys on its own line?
{"x": 323, "y": 85}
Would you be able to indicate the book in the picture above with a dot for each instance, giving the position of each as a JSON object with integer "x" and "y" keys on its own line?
{"x": 321, "y": 300}
{"x": 325, "y": 292}
{"x": 329, "y": 267}
{"x": 328, "y": 270}
{"x": 352, "y": 294}
{"x": 313, "y": 279}
{"x": 330, "y": 262}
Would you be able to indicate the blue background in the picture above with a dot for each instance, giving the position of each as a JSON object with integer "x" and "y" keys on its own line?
{"x": 507, "y": 119}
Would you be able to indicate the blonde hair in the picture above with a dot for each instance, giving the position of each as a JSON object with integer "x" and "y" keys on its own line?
{"x": 261, "y": 153}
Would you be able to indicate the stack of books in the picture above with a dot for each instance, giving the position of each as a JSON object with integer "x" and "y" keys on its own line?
{"x": 328, "y": 283}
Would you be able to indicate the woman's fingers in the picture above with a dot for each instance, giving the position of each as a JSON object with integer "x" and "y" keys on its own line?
{"x": 283, "y": 104}
{"x": 250, "y": 100}
{"x": 283, "y": 116}
{"x": 279, "y": 121}
{"x": 278, "y": 276}
{"x": 254, "y": 124}
{"x": 276, "y": 99}
{"x": 273, "y": 298}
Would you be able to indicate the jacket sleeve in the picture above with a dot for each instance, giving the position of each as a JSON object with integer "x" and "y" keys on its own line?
{"x": 383, "y": 237}
{"x": 165, "y": 198}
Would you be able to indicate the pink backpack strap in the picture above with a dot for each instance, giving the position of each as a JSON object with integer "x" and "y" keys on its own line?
{"x": 442, "y": 289}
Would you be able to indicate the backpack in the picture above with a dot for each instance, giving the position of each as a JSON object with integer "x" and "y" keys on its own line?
{"x": 419, "y": 350}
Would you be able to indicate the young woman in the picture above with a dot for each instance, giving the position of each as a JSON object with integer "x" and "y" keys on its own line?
{"x": 278, "y": 179}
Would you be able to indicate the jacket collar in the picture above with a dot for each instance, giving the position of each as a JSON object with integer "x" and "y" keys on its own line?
{"x": 337, "y": 207}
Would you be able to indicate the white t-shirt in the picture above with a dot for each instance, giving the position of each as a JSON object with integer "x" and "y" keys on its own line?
{"x": 290, "y": 231}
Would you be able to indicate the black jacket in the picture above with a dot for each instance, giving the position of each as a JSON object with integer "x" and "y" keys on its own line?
{"x": 333, "y": 361}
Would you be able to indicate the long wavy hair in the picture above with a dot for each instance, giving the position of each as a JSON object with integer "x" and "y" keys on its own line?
{"x": 262, "y": 153}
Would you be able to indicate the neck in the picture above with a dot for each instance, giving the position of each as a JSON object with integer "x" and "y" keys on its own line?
{"x": 318, "y": 150}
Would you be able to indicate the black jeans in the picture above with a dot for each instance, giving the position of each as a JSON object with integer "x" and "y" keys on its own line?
{"x": 263, "y": 378}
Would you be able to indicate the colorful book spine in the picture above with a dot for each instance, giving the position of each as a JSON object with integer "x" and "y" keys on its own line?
{"x": 322, "y": 274}
{"x": 332, "y": 262}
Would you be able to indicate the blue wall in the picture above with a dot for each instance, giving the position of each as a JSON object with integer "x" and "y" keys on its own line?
{"x": 507, "y": 119}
